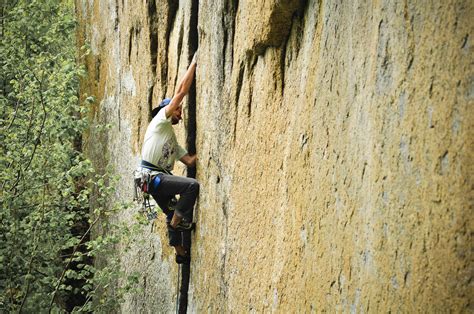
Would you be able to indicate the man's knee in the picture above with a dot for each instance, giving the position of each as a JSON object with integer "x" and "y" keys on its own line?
{"x": 194, "y": 186}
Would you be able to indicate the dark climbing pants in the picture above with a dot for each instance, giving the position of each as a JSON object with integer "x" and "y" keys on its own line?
{"x": 169, "y": 186}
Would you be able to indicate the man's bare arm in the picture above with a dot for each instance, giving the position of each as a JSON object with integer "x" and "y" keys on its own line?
{"x": 183, "y": 88}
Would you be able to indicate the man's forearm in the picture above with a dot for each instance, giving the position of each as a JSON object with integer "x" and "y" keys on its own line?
{"x": 183, "y": 89}
{"x": 187, "y": 80}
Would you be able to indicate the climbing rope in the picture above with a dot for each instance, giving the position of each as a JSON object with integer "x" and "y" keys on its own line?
{"x": 177, "y": 289}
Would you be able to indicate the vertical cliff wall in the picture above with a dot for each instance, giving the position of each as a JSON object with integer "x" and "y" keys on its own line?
{"x": 334, "y": 142}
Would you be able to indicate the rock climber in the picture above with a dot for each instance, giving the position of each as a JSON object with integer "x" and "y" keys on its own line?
{"x": 159, "y": 152}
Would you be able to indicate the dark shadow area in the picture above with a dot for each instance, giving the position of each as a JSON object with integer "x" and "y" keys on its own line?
{"x": 191, "y": 146}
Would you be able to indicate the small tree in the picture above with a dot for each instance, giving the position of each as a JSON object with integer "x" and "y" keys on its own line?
{"x": 46, "y": 253}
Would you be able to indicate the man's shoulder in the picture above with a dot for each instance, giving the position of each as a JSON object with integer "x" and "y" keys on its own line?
{"x": 160, "y": 118}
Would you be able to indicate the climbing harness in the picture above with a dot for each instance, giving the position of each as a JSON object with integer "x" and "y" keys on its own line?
{"x": 144, "y": 176}
{"x": 142, "y": 179}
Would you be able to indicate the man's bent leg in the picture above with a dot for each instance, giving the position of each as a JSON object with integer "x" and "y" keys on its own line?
{"x": 186, "y": 188}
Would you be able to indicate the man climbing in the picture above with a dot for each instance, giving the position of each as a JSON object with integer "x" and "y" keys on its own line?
{"x": 159, "y": 152}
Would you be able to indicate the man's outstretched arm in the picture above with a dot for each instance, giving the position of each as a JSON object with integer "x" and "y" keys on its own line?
{"x": 183, "y": 88}
{"x": 187, "y": 80}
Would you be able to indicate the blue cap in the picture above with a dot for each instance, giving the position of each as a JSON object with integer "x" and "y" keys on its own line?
{"x": 165, "y": 102}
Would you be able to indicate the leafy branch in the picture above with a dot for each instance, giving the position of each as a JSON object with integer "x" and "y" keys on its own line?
{"x": 70, "y": 261}
{"x": 33, "y": 255}
{"x": 47, "y": 247}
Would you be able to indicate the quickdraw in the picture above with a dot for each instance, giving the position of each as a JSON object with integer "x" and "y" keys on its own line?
{"x": 142, "y": 180}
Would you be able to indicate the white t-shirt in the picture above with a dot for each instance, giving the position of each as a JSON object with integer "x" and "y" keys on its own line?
{"x": 160, "y": 146}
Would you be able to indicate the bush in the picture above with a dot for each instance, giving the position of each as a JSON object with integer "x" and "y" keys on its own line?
{"x": 46, "y": 253}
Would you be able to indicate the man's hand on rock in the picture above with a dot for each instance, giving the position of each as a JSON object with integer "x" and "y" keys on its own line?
{"x": 195, "y": 57}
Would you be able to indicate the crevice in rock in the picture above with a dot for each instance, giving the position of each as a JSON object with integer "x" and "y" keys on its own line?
{"x": 180, "y": 48}
{"x": 130, "y": 42}
{"x": 235, "y": 7}
{"x": 191, "y": 119}
{"x": 117, "y": 19}
{"x": 97, "y": 70}
{"x": 239, "y": 83}
{"x": 194, "y": 36}
{"x": 163, "y": 22}
{"x": 251, "y": 62}
{"x": 465, "y": 40}
{"x": 171, "y": 17}
{"x": 282, "y": 67}
{"x": 363, "y": 171}
{"x": 191, "y": 147}
{"x": 410, "y": 36}
{"x": 296, "y": 27}
{"x": 234, "y": 131}
{"x": 139, "y": 122}
{"x": 153, "y": 31}
{"x": 249, "y": 103}
{"x": 150, "y": 99}
{"x": 153, "y": 35}
{"x": 224, "y": 46}
{"x": 228, "y": 26}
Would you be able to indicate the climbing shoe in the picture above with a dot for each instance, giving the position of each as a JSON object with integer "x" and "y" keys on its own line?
{"x": 183, "y": 226}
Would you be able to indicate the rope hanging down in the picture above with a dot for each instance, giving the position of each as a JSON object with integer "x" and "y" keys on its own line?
{"x": 177, "y": 289}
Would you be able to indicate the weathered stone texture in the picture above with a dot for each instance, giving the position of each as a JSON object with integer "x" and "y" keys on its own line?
{"x": 334, "y": 142}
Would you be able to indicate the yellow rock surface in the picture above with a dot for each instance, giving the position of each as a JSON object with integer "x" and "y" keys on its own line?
{"x": 334, "y": 143}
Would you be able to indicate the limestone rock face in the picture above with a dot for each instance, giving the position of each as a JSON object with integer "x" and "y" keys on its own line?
{"x": 334, "y": 143}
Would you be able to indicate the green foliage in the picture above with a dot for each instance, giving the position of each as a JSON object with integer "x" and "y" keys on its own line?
{"x": 46, "y": 182}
